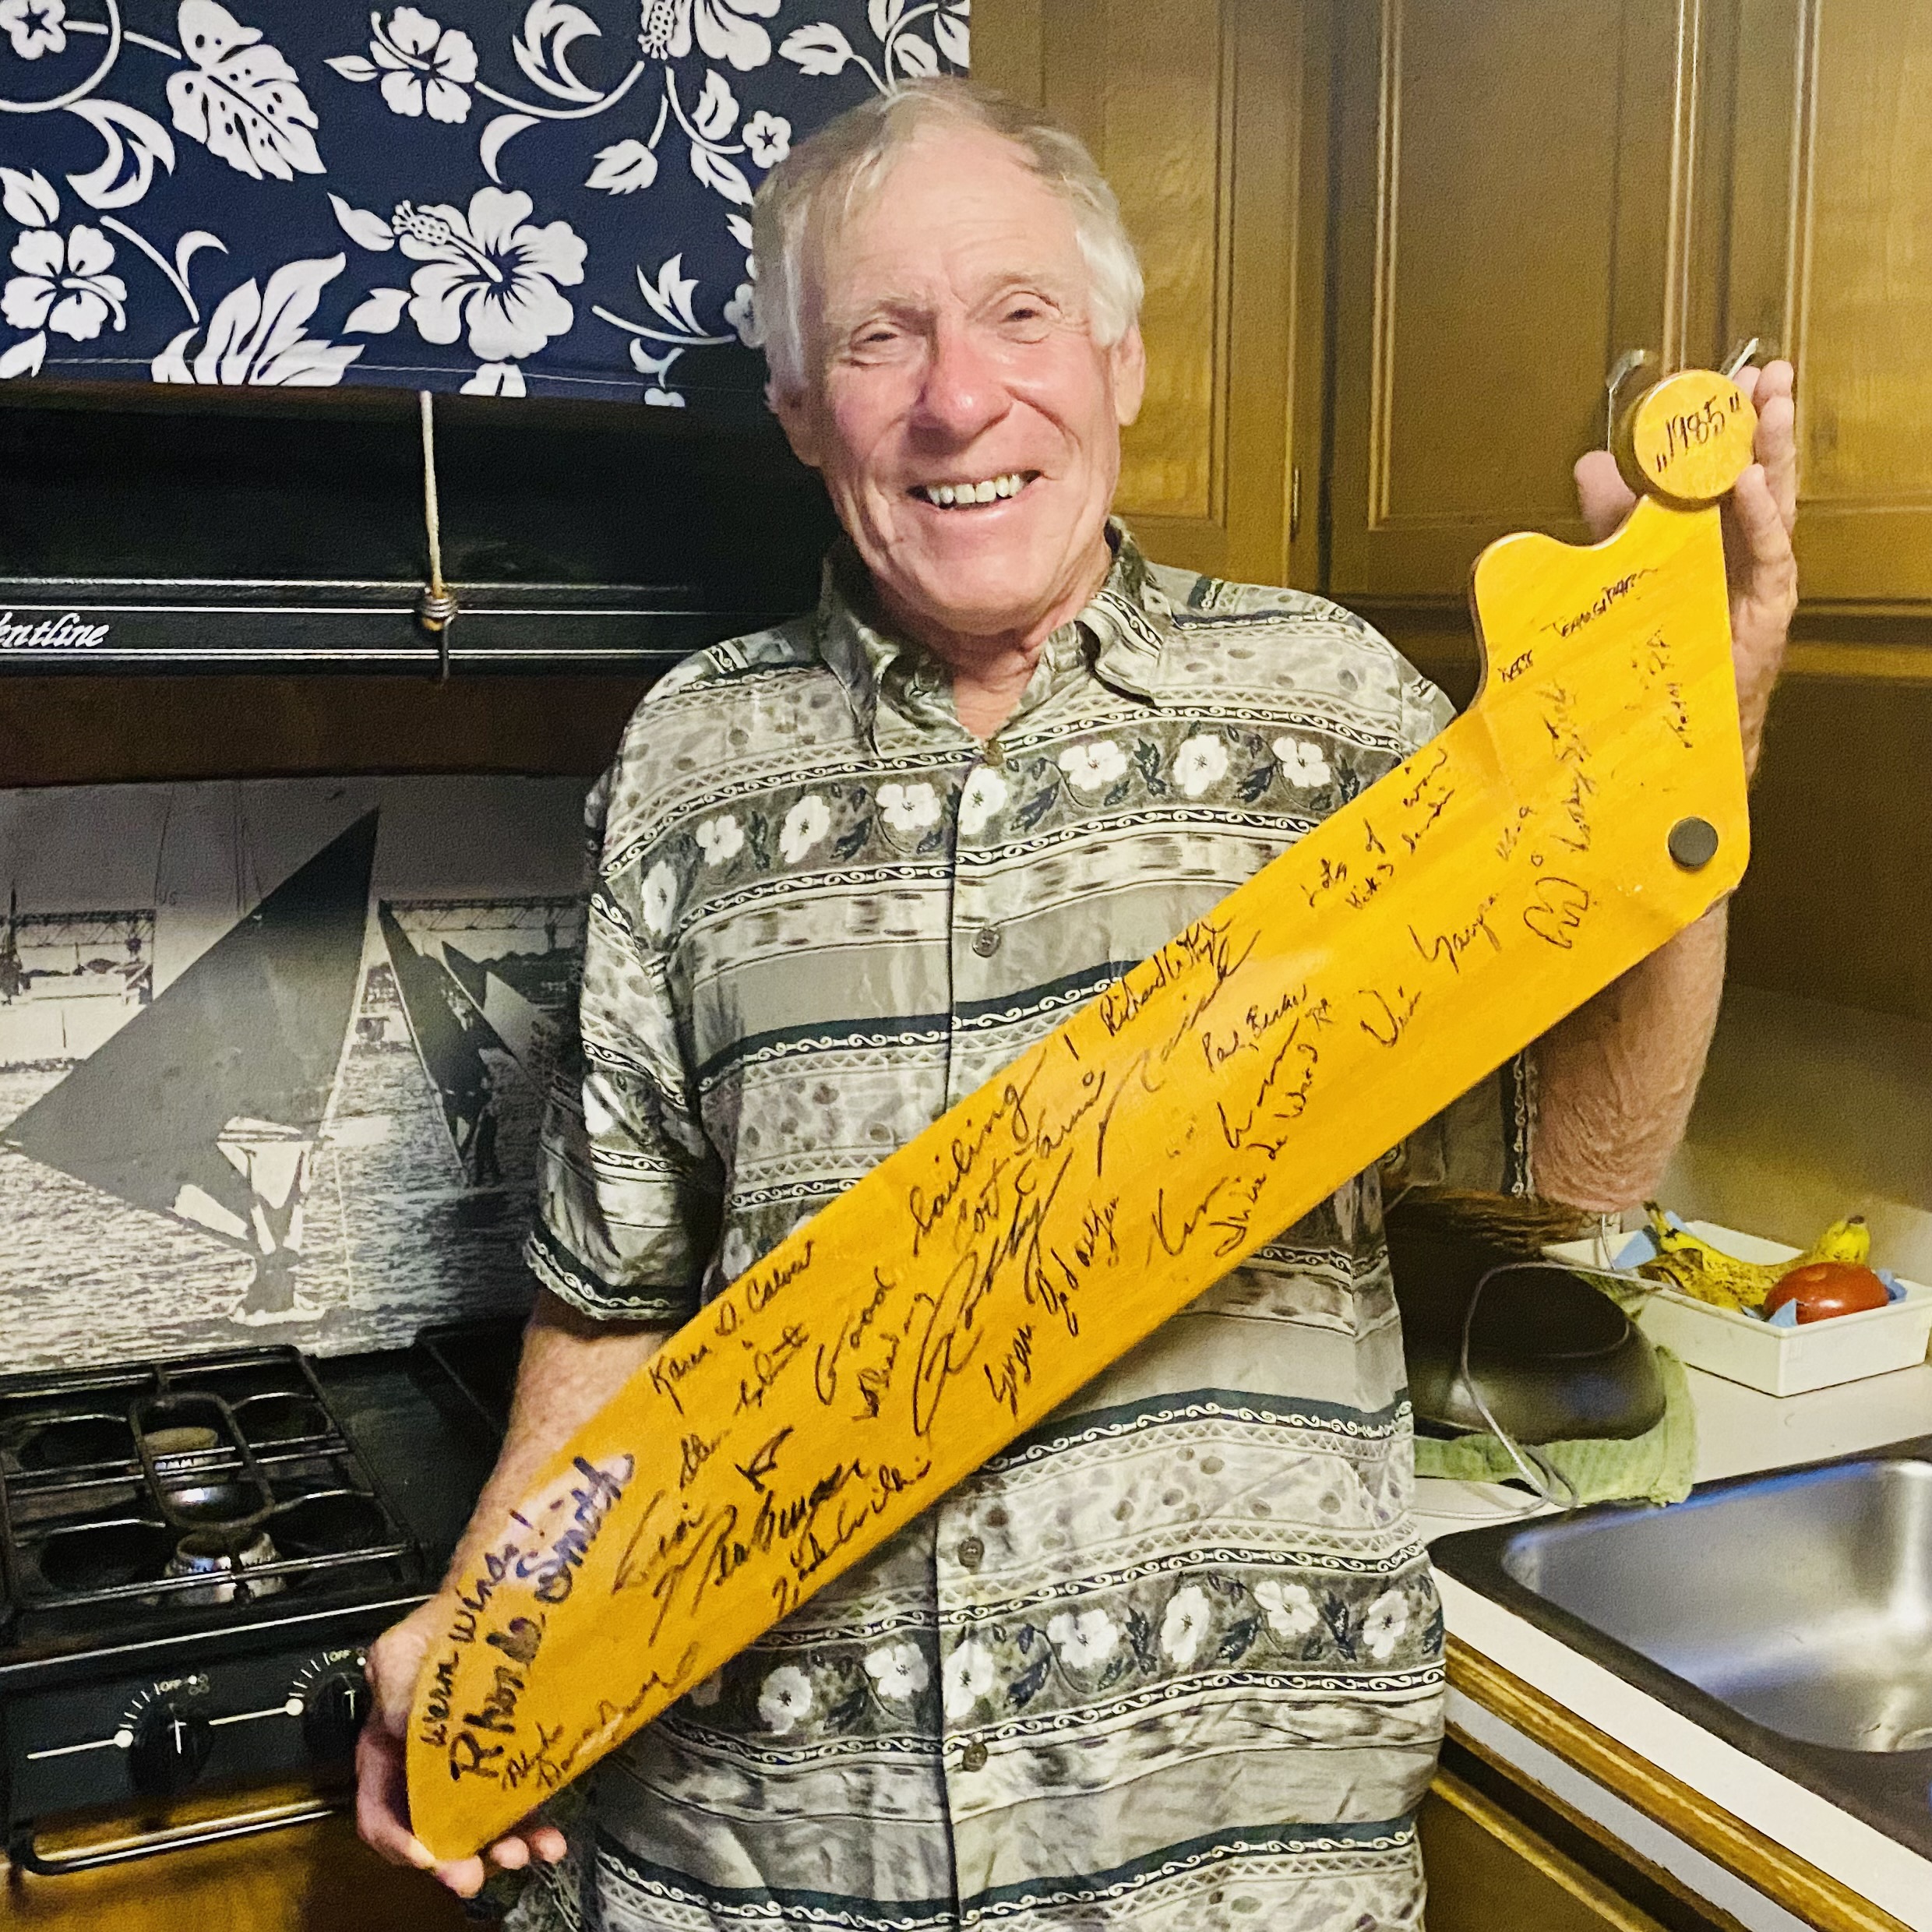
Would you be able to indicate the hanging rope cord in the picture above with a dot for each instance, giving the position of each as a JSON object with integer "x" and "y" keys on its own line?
{"x": 436, "y": 604}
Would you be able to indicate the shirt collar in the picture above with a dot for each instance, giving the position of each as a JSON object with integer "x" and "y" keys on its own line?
{"x": 897, "y": 688}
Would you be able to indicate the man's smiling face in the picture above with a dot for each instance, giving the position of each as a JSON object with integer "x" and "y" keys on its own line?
{"x": 966, "y": 422}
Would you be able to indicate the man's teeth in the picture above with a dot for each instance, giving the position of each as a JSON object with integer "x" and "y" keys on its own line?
{"x": 947, "y": 494}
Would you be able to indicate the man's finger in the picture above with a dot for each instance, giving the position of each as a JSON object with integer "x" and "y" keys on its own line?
{"x": 463, "y": 1875}
{"x": 1777, "y": 446}
{"x": 547, "y": 1842}
{"x": 1603, "y": 496}
{"x": 1767, "y": 544}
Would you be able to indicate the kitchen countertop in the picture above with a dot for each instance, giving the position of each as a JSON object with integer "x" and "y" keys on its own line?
{"x": 1739, "y": 1431}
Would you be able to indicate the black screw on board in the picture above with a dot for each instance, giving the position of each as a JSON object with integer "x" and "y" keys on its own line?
{"x": 1693, "y": 843}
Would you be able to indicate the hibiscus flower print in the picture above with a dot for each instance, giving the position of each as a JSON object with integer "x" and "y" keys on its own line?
{"x": 658, "y": 897}
{"x": 984, "y": 798}
{"x": 34, "y": 27}
{"x": 785, "y": 1699}
{"x": 1303, "y": 765}
{"x": 1382, "y": 1628}
{"x": 423, "y": 65}
{"x": 491, "y": 270}
{"x": 769, "y": 137}
{"x": 1289, "y": 1607}
{"x": 969, "y": 1676}
{"x": 909, "y": 808}
{"x": 63, "y": 285}
{"x": 723, "y": 30}
{"x": 721, "y": 839}
{"x": 1201, "y": 763}
{"x": 899, "y": 1672}
{"x": 805, "y": 826}
{"x": 1189, "y": 1615}
{"x": 1091, "y": 768}
{"x": 1084, "y": 1639}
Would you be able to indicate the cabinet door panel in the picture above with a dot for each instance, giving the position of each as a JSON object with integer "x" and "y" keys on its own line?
{"x": 1514, "y": 207}
{"x": 1209, "y": 118}
{"x": 1831, "y": 259}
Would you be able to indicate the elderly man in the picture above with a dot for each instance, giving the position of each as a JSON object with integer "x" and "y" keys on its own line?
{"x": 1173, "y": 1660}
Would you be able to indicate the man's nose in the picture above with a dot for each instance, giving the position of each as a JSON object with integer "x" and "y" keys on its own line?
{"x": 962, "y": 394}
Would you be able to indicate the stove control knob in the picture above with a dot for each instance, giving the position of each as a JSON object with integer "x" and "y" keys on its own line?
{"x": 332, "y": 1712}
{"x": 171, "y": 1745}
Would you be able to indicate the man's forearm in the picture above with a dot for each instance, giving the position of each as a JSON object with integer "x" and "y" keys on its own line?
{"x": 572, "y": 1365}
{"x": 1616, "y": 1081}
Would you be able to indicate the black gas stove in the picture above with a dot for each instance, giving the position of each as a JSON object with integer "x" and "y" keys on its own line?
{"x": 195, "y": 1553}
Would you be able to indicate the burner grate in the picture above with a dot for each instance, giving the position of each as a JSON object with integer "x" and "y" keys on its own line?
{"x": 213, "y": 1482}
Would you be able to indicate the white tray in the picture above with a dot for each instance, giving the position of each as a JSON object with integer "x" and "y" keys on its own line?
{"x": 1779, "y": 1361}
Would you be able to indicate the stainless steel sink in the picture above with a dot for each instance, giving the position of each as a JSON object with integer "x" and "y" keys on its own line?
{"x": 1791, "y": 1613}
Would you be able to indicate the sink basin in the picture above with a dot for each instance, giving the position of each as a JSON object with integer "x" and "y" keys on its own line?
{"x": 1790, "y": 1612}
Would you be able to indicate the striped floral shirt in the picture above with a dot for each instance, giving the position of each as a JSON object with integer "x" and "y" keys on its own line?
{"x": 1173, "y": 1660}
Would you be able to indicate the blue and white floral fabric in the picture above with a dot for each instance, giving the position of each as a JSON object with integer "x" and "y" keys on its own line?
{"x": 539, "y": 199}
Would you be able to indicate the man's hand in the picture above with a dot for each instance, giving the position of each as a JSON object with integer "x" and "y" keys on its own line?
{"x": 381, "y": 1794}
{"x": 1758, "y": 515}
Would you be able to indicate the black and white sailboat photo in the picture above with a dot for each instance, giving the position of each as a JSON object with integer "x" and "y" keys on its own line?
{"x": 275, "y": 1052}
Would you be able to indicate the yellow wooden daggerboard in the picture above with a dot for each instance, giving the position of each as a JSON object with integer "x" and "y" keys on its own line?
{"x": 1589, "y": 805}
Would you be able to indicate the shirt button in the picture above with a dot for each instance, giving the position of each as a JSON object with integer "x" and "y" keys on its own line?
{"x": 970, "y": 1552}
{"x": 994, "y": 755}
{"x": 986, "y": 942}
{"x": 974, "y": 1756}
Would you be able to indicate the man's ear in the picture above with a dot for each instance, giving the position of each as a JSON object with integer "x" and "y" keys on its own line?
{"x": 798, "y": 416}
{"x": 1128, "y": 361}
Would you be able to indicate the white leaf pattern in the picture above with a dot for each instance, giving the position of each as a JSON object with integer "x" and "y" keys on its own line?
{"x": 719, "y": 172}
{"x": 716, "y": 113}
{"x": 623, "y": 169}
{"x": 128, "y": 170}
{"x": 953, "y": 35}
{"x": 820, "y": 48}
{"x": 29, "y": 199}
{"x": 242, "y": 101}
{"x": 504, "y": 129}
{"x": 191, "y": 245}
{"x": 379, "y": 312}
{"x": 24, "y": 358}
{"x": 542, "y": 49}
{"x": 254, "y": 336}
{"x": 915, "y": 57}
{"x": 365, "y": 229}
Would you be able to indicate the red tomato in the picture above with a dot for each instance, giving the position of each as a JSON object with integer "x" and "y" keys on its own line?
{"x": 1823, "y": 1288}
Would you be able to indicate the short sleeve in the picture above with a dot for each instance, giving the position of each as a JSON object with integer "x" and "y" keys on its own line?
{"x": 1480, "y": 1142}
{"x": 629, "y": 1187}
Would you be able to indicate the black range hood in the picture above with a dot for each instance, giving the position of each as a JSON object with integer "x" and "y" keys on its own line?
{"x": 146, "y": 530}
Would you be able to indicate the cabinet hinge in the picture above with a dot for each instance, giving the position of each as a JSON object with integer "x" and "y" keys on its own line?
{"x": 1294, "y": 501}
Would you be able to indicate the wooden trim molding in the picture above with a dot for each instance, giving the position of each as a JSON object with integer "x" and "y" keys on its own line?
{"x": 1538, "y": 1856}
{"x": 1816, "y": 1897}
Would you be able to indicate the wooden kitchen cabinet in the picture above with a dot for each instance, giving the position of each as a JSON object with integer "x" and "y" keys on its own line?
{"x": 309, "y": 1878}
{"x": 1515, "y": 209}
{"x": 1489, "y": 1871}
{"x": 1208, "y": 117}
{"x": 1830, "y": 261}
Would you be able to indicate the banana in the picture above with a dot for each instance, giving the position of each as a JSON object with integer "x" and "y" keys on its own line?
{"x": 1843, "y": 1241}
{"x": 1690, "y": 1264}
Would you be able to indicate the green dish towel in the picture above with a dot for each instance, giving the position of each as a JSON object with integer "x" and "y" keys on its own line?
{"x": 1655, "y": 1467}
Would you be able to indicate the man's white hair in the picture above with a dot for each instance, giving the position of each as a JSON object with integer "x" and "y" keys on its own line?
{"x": 818, "y": 184}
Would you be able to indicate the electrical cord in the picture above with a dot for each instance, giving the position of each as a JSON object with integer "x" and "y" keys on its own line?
{"x": 1551, "y": 1486}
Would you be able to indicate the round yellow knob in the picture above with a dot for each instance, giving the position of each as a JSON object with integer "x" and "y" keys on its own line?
{"x": 1686, "y": 440}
